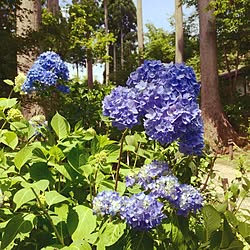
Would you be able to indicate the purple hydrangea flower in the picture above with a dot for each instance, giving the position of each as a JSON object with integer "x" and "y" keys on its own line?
{"x": 142, "y": 212}
{"x": 47, "y": 70}
{"x": 166, "y": 187}
{"x": 164, "y": 97}
{"x": 190, "y": 200}
{"x": 148, "y": 173}
{"x": 107, "y": 203}
{"x": 121, "y": 106}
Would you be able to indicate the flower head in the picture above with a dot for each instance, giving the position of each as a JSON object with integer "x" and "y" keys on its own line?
{"x": 121, "y": 107}
{"x": 142, "y": 211}
{"x": 190, "y": 200}
{"x": 47, "y": 70}
{"x": 107, "y": 203}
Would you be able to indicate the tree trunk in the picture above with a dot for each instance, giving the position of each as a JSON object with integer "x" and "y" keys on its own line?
{"x": 115, "y": 62}
{"x": 28, "y": 20}
{"x": 122, "y": 50}
{"x": 179, "y": 35}
{"x": 216, "y": 126}
{"x": 90, "y": 73}
{"x": 105, "y": 4}
{"x": 140, "y": 30}
{"x": 53, "y": 6}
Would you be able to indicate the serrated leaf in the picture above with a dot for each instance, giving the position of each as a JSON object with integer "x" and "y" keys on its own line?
{"x": 9, "y": 138}
{"x": 60, "y": 125}
{"x": 111, "y": 234}
{"x": 81, "y": 222}
{"x": 23, "y": 196}
{"x": 7, "y": 103}
{"x": 212, "y": 219}
{"x": 23, "y": 156}
{"x": 53, "y": 197}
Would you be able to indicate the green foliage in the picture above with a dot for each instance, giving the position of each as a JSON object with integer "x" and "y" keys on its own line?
{"x": 47, "y": 187}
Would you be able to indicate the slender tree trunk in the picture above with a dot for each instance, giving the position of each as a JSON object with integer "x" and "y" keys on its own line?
{"x": 105, "y": 4}
{"x": 114, "y": 61}
{"x": 90, "y": 73}
{"x": 179, "y": 35}
{"x": 122, "y": 50}
{"x": 53, "y": 6}
{"x": 140, "y": 30}
{"x": 28, "y": 20}
{"x": 216, "y": 126}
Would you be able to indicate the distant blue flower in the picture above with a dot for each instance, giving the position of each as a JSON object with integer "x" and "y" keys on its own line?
{"x": 46, "y": 71}
{"x": 64, "y": 89}
{"x": 190, "y": 200}
{"x": 121, "y": 107}
{"x": 142, "y": 212}
{"x": 107, "y": 203}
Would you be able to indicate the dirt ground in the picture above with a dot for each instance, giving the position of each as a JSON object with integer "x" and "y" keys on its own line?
{"x": 226, "y": 169}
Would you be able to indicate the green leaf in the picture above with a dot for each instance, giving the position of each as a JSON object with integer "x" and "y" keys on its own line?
{"x": 7, "y": 103}
{"x": 112, "y": 233}
{"x": 212, "y": 219}
{"x": 23, "y": 156}
{"x": 78, "y": 245}
{"x": 81, "y": 222}
{"x": 53, "y": 197}
{"x": 244, "y": 229}
{"x": 139, "y": 241}
{"x": 9, "y": 82}
{"x": 60, "y": 125}
{"x": 23, "y": 196}
{"x": 231, "y": 218}
{"x": 18, "y": 223}
{"x": 9, "y": 138}
{"x": 56, "y": 154}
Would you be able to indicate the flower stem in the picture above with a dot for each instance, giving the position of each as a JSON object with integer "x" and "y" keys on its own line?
{"x": 120, "y": 158}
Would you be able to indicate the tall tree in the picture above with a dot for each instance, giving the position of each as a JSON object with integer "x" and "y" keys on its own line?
{"x": 140, "y": 30}
{"x": 179, "y": 34}
{"x": 216, "y": 126}
{"x": 122, "y": 23}
{"x": 28, "y": 20}
{"x": 53, "y": 6}
{"x": 105, "y": 6}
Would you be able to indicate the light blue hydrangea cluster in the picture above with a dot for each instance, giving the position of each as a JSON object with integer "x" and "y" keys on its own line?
{"x": 144, "y": 211}
{"x": 48, "y": 70}
{"x": 140, "y": 211}
{"x": 164, "y": 98}
{"x": 165, "y": 185}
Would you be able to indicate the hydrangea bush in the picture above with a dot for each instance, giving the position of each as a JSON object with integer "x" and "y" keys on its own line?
{"x": 71, "y": 187}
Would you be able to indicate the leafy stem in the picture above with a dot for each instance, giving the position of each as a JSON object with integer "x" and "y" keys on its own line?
{"x": 58, "y": 236}
{"x": 120, "y": 158}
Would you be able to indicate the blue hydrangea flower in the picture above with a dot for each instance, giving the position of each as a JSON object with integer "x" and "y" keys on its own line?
{"x": 121, "y": 107}
{"x": 142, "y": 212}
{"x": 148, "y": 173}
{"x": 166, "y": 187}
{"x": 190, "y": 200}
{"x": 107, "y": 203}
{"x": 46, "y": 71}
{"x": 164, "y": 97}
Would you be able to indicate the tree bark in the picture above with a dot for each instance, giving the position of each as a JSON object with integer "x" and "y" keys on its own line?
{"x": 90, "y": 73}
{"x": 217, "y": 129}
{"x": 179, "y": 34}
{"x": 53, "y": 6}
{"x": 140, "y": 30}
{"x": 105, "y": 4}
{"x": 28, "y": 20}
